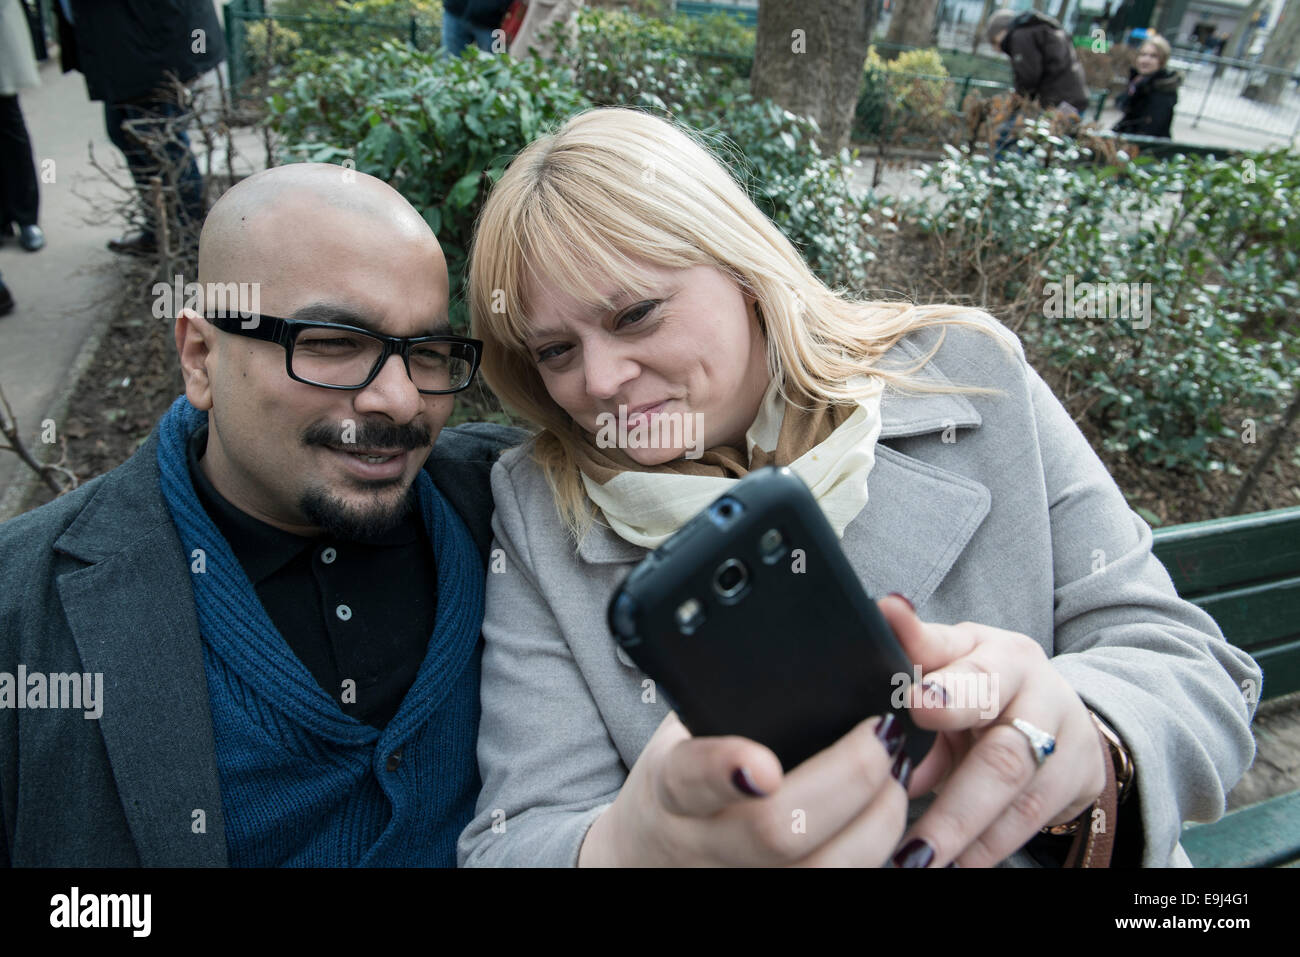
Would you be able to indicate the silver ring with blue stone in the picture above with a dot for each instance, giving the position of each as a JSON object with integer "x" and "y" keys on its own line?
{"x": 1042, "y": 742}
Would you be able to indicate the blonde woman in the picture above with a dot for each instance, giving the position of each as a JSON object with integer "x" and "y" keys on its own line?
{"x": 1152, "y": 93}
{"x": 619, "y": 271}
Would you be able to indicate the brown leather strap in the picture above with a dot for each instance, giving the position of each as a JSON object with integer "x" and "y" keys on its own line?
{"x": 1095, "y": 838}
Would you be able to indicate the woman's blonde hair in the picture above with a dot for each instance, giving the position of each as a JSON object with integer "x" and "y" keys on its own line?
{"x": 616, "y": 189}
{"x": 1163, "y": 49}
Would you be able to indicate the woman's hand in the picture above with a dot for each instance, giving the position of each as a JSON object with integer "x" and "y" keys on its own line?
{"x": 993, "y": 795}
{"x": 690, "y": 802}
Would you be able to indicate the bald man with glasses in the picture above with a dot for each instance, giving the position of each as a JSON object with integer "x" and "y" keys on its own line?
{"x": 281, "y": 592}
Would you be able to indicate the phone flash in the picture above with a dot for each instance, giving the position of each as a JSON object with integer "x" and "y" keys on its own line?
{"x": 772, "y": 546}
{"x": 690, "y": 615}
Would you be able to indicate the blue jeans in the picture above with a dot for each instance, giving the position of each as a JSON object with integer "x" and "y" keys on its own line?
{"x": 458, "y": 33}
{"x": 189, "y": 183}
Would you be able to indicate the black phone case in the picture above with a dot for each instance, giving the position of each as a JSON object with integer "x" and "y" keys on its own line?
{"x": 797, "y": 659}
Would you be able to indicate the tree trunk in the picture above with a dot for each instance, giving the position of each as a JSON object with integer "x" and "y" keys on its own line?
{"x": 1230, "y": 48}
{"x": 912, "y": 25}
{"x": 989, "y": 7}
{"x": 1266, "y": 453}
{"x": 1282, "y": 51}
{"x": 808, "y": 58}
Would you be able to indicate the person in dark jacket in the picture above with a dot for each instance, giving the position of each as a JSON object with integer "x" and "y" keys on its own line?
{"x": 127, "y": 50}
{"x": 1043, "y": 63}
{"x": 257, "y": 641}
{"x": 1152, "y": 93}
{"x": 466, "y": 22}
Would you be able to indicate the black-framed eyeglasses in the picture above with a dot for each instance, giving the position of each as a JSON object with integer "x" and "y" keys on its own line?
{"x": 335, "y": 356}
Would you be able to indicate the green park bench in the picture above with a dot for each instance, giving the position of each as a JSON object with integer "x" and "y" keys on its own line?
{"x": 1245, "y": 572}
{"x": 747, "y": 15}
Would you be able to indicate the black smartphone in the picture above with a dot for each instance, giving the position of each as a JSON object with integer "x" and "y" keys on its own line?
{"x": 753, "y": 621}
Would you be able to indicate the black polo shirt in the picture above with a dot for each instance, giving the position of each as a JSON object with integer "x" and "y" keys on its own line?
{"x": 352, "y": 611}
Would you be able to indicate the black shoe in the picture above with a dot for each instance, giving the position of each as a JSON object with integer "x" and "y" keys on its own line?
{"x": 6, "y": 232}
{"x": 136, "y": 244}
{"x": 31, "y": 238}
{"x": 6, "y": 300}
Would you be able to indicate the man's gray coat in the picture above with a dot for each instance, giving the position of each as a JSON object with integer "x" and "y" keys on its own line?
{"x": 97, "y": 581}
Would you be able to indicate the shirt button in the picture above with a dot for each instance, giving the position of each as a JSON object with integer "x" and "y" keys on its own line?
{"x": 344, "y": 612}
{"x": 328, "y": 556}
{"x": 394, "y": 760}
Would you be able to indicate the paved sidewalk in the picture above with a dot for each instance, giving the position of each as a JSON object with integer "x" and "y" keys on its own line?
{"x": 65, "y": 291}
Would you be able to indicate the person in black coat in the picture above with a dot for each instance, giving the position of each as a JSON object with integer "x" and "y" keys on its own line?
{"x": 1152, "y": 93}
{"x": 466, "y": 22}
{"x": 127, "y": 50}
{"x": 1044, "y": 66}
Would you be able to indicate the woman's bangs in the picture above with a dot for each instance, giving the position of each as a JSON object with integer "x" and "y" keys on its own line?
{"x": 575, "y": 254}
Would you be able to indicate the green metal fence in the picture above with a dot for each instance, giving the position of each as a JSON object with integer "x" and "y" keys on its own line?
{"x": 239, "y": 14}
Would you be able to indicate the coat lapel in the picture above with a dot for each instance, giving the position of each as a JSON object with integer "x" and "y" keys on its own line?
{"x": 918, "y": 518}
{"x": 131, "y": 613}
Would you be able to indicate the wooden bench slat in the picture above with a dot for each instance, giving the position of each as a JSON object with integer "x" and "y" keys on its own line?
{"x": 1281, "y": 667}
{"x": 1256, "y": 616}
{"x": 1207, "y": 556}
{"x": 1262, "y": 835}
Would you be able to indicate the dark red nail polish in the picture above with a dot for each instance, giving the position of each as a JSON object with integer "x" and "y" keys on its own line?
{"x": 915, "y": 853}
{"x": 745, "y": 784}
{"x": 932, "y": 689}
{"x": 902, "y": 769}
{"x": 890, "y": 733}
{"x": 894, "y": 594}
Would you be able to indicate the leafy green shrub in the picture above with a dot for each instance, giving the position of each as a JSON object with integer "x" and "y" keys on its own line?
{"x": 906, "y": 95}
{"x": 1216, "y": 242}
{"x": 347, "y": 26}
{"x": 619, "y": 58}
{"x": 269, "y": 44}
{"x": 438, "y": 130}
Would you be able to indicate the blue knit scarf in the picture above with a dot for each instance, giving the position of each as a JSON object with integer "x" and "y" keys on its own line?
{"x": 302, "y": 783}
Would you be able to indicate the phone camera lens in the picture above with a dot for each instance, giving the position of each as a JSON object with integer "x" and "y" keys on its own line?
{"x": 725, "y": 511}
{"x": 731, "y": 578}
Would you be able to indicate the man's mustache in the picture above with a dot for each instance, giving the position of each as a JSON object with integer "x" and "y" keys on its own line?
{"x": 368, "y": 435}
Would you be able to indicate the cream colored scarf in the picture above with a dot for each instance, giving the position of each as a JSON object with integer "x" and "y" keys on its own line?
{"x": 832, "y": 448}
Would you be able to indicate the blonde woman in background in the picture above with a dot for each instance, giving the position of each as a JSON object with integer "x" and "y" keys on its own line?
{"x": 952, "y": 474}
{"x": 1152, "y": 93}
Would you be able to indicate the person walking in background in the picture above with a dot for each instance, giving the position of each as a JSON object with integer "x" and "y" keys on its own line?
{"x": 165, "y": 38}
{"x": 1152, "y": 93}
{"x": 466, "y": 22}
{"x": 19, "y": 193}
{"x": 539, "y": 19}
{"x": 1043, "y": 63}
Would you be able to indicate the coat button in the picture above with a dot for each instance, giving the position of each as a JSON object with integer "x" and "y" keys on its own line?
{"x": 394, "y": 760}
{"x": 344, "y": 612}
{"x": 328, "y": 555}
